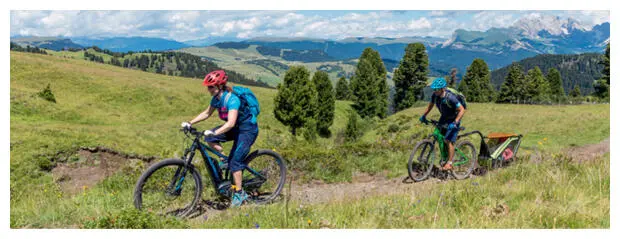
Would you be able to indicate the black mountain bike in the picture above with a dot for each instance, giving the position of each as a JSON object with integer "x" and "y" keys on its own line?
{"x": 174, "y": 186}
{"x": 424, "y": 156}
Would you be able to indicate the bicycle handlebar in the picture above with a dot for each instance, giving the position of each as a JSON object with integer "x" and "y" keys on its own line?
{"x": 192, "y": 131}
{"x": 443, "y": 126}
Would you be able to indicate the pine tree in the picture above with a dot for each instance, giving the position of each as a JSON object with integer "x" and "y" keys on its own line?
{"x": 326, "y": 103}
{"x": 384, "y": 94}
{"x": 537, "y": 86}
{"x": 47, "y": 94}
{"x": 295, "y": 101}
{"x": 555, "y": 83}
{"x": 364, "y": 89}
{"x": 342, "y": 89}
{"x": 353, "y": 130}
{"x": 369, "y": 85}
{"x": 606, "y": 62}
{"x": 476, "y": 84}
{"x": 310, "y": 130}
{"x": 381, "y": 100}
{"x": 513, "y": 88}
{"x": 575, "y": 92}
{"x": 410, "y": 76}
{"x": 601, "y": 86}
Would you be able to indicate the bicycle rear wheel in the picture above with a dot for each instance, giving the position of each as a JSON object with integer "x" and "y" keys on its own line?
{"x": 421, "y": 160}
{"x": 464, "y": 160}
{"x": 265, "y": 175}
{"x": 168, "y": 188}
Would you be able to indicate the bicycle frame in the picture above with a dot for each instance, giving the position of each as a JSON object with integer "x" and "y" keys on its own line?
{"x": 215, "y": 172}
{"x": 444, "y": 149}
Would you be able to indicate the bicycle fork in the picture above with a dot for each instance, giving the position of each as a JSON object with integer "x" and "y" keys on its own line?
{"x": 180, "y": 172}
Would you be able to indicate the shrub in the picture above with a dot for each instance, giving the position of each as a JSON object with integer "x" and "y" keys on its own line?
{"x": 47, "y": 94}
{"x": 44, "y": 163}
{"x": 354, "y": 129}
{"x": 134, "y": 219}
{"x": 393, "y": 128}
{"x": 310, "y": 130}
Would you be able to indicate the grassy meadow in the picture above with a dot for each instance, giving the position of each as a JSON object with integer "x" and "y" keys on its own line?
{"x": 234, "y": 59}
{"x": 136, "y": 112}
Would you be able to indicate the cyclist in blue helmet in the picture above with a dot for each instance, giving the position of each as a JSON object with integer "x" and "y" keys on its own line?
{"x": 451, "y": 112}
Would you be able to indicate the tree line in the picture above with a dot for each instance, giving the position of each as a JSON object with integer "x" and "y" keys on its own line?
{"x": 576, "y": 69}
{"x": 309, "y": 105}
{"x": 168, "y": 63}
{"x": 16, "y": 47}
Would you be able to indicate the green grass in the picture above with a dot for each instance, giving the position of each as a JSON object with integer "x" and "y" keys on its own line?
{"x": 138, "y": 112}
{"x": 234, "y": 59}
{"x": 561, "y": 126}
{"x": 555, "y": 193}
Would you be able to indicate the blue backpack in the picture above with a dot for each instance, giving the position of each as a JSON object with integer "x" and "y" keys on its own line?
{"x": 245, "y": 94}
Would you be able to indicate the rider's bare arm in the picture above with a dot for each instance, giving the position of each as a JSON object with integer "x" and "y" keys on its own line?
{"x": 203, "y": 116}
{"x": 461, "y": 110}
{"x": 230, "y": 123}
{"x": 428, "y": 108}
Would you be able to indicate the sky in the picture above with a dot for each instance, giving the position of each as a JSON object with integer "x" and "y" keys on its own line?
{"x": 192, "y": 25}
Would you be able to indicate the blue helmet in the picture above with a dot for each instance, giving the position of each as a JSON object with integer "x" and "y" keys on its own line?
{"x": 438, "y": 83}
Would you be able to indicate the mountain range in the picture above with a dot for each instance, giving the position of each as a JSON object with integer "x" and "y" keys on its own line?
{"x": 528, "y": 37}
{"x": 125, "y": 44}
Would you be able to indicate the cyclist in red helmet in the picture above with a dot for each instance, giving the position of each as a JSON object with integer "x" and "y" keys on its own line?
{"x": 238, "y": 127}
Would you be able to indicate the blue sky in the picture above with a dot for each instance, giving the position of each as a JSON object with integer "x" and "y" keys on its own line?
{"x": 190, "y": 25}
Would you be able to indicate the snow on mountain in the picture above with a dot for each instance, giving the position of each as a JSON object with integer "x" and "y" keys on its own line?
{"x": 532, "y": 24}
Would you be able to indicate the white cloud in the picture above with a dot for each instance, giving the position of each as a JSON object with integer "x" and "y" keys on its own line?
{"x": 245, "y": 34}
{"x": 388, "y": 27}
{"x": 248, "y": 24}
{"x": 437, "y": 13}
{"x": 588, "y": 18}
{"x": 288, "y": 19}
{"x": 186, "y": 25}
{"x": 421, "y": 23}
{"x": 597, "y": 17}
{"x": 189, "y": 16}
{"x": 228, "y": 26}
{"x": 484, "y": 20}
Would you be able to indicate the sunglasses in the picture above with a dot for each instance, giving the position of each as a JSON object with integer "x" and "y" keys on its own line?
{"x": 211, "y": 87}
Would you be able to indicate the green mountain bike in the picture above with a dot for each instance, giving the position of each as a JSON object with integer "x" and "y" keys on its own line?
{"x": 425, "y": 156}
{"x": 174, "y": 186}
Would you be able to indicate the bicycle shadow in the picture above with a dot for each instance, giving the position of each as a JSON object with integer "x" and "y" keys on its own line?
{"x": 445, "y": 175}
{"x": 436, "y": 173}
{"x": 209, "y": 205}
{"x": 220, "y": 205}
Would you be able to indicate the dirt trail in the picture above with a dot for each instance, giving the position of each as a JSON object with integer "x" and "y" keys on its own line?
{"x": 362, "y": 186}
{"x": 96, "y": 165}
{"x": 366, "y": 186}
{"x": 93, "y": 166}
{"x": 588, "y": 152}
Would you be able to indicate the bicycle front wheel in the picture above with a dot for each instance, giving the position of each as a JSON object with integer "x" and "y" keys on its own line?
{"x": 264, "y": 176}
{"x": 464, "y": 160}
{"x": 421, "y": 160}
{"x": 168, "y": 188}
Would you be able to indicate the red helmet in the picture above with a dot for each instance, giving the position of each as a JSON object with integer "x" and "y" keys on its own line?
{"x": 218, "y": 77}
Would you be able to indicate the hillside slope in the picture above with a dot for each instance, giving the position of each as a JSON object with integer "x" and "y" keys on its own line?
{"x": 576, "y": 70}
{"x": 138, "y": 114}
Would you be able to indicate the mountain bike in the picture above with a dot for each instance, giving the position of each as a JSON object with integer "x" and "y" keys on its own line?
{"x": 174, "y": 186}
{"x": 424, "y": 156}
